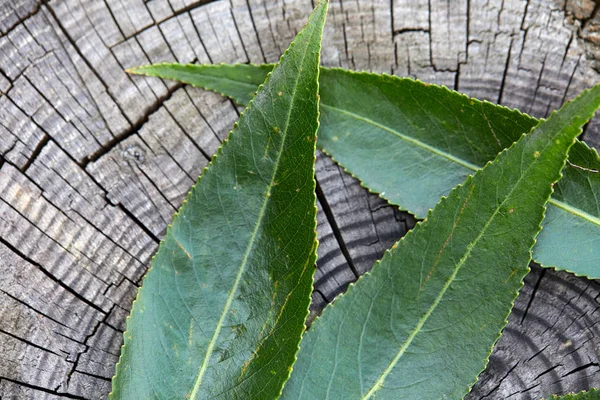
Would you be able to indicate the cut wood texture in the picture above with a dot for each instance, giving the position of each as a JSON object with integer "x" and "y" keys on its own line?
{"x": 94, "y": 163}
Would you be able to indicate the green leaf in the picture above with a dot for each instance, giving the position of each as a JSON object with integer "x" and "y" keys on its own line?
{"x": 394, "y": 133}
{"x": 236, "y": 81}
{"x": 222, "y": 309}
{"x": 592, "y": 394}
{"x": 422, "y": 323}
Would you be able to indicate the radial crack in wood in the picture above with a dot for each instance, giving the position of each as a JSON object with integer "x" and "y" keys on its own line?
{"x": 77, "y": 233}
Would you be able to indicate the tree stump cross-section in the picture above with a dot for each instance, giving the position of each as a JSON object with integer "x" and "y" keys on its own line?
{"x": 94, "y": 163}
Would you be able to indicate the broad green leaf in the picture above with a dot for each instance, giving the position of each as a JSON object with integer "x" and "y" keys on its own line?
{"x": 222, "y": 309}
{"x": 422, "y": 323}
{"x": 394, "y": 134}
{"x": 592, "y": 394}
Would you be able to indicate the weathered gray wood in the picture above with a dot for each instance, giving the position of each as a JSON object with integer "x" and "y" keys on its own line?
{"x": 94, "y": 163}
{"x": 551, "y": 342}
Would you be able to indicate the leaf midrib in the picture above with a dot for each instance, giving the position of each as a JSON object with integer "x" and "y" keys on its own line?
{"x": 379, "y": 383}
{"x": 557, "y": 203}
{"x": 404, "y": 137}
{"x": 258, "y": 224}
{"x": 251, "y": 86}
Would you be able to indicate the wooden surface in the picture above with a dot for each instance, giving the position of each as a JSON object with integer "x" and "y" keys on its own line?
{"x": 94, "y": 163}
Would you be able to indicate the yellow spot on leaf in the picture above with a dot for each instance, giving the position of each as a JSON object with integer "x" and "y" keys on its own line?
{"x": 184, "y": 250}
{"x": 513, "y": 273}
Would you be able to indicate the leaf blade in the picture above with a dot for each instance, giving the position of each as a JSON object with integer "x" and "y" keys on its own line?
{"x": 381, "y": 164}
{"x": 222, "y": 308}
{"x": 427, "y": 315}
{"x": 592, "y": 394}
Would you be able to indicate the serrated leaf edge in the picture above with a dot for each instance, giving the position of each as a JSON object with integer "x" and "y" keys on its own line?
{"x": 558, "y": 203}
{"x": 176, "y": 215}
{"x": 422, "y": 223}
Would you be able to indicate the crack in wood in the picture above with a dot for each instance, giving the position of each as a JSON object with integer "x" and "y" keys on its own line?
{"x": 532, "y": 297}
{"x": 87, "y": 348}
{"x": 21, "y": 20}
{"x": 367, "y": 35}
{"x": 336, "y": 231}
{"x": 134, "y": 129}
{"x": 54, "y": 391}
{"x": 50, "y": 276}
{"x": 36, "y": 152}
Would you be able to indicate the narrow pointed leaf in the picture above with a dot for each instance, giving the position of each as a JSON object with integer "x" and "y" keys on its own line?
{"x": 395, "y": 133}
{"x": 222, "y": 309}
{"x": 422, "y": 323}
{"x": 592, "y": 394}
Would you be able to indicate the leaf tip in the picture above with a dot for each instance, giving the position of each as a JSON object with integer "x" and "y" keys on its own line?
{"x": 133, "y": 70}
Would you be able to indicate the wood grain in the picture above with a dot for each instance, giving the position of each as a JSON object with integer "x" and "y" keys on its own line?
{"x": 94, "y": 163}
